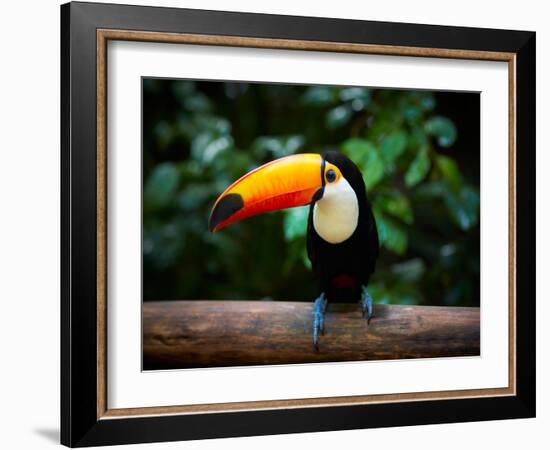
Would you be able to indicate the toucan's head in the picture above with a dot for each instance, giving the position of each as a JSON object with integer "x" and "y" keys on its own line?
{"x": 295, "y": 180}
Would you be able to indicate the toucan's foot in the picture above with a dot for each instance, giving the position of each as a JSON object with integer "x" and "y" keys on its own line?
{"x": 366, "y": 304}
{"x": 319, "y": 308}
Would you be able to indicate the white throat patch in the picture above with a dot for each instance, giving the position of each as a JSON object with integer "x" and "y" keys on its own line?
{"x": 335, "y": 216}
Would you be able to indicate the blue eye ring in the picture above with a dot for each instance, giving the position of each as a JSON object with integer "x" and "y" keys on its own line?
{"x": 330, "y": 176}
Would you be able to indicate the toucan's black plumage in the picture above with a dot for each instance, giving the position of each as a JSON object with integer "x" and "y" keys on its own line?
{"x": 343, "y": 269}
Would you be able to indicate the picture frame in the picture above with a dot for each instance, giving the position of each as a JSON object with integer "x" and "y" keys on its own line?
{"x": 86, "y": 418}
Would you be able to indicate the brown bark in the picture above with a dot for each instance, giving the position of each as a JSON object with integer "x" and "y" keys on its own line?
{"x": 183, "y": 334}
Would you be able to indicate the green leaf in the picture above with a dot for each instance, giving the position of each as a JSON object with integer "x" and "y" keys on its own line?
{"x": 392, "y": 235}
{"x": 412, "y": 112}
{"x": 358, "y": 96}
{"x": 443, "y": 129}
{"x": 278, "y": 146}
{"x": 379, "y": 292}
{"x": 161, "y": 186}
{"x": 393, "y": 146}
{"x": 295, "y": 222}
{"x": 319, "y": 96}
{"x": 418, "y": 168}
{"x": 352, "y": 93}
{"x": 427, "y": 102}
{"x": 197, "y": 102}
{"x": 373, "y": 170}
{"x": 265, "y": 144}
{"x": 293, "y": 143}
{"x": 206, "y": 146}
{"x": 396, "y": 204}
{"x": 384, "y": 121}
{"x": 213, "y": 124}
{"x": 470, "y": 197}
{"x": 338, "y": 117}
{"x": 357, "y": 148}
{"x": 450, "y": 171}
{"x": 418, "y": 139}
{"x": 409, "y": 271}
{"x": 464, "y": 207}
{"x": 431, "y": 189}
{"x": 194, "y": 196}
{"x": 409, "y": 106}
{"x": 366, "y": 157}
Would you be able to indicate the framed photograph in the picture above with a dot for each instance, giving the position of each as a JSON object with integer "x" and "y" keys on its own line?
{"x": 276, "y": 224}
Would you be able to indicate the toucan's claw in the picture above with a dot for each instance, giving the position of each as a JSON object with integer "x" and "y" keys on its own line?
{"x": 366, "y": 305}
{"x": 319, "y": 308}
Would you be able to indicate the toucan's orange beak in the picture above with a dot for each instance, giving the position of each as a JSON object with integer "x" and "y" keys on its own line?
{"x": 284, "y": 183}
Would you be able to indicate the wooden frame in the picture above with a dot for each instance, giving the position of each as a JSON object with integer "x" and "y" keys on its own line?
{"x": 86, "y": 419}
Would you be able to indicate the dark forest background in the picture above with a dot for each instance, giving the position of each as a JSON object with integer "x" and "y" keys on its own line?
{"x": 418, "y": 152}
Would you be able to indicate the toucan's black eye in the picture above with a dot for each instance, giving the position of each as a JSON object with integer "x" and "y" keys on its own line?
{"x": 330, "y": 176}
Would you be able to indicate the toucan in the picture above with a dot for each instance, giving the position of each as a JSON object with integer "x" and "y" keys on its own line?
{"x": 342, "y": 238}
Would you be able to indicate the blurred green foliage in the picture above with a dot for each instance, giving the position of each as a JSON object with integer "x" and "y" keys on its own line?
{"x": 198, "y": 137}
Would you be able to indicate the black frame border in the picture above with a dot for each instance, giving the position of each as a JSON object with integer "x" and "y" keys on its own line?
{"x": 79, "y": 423}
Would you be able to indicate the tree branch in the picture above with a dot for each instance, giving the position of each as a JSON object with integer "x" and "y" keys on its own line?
{"x": 183, "y": 334}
